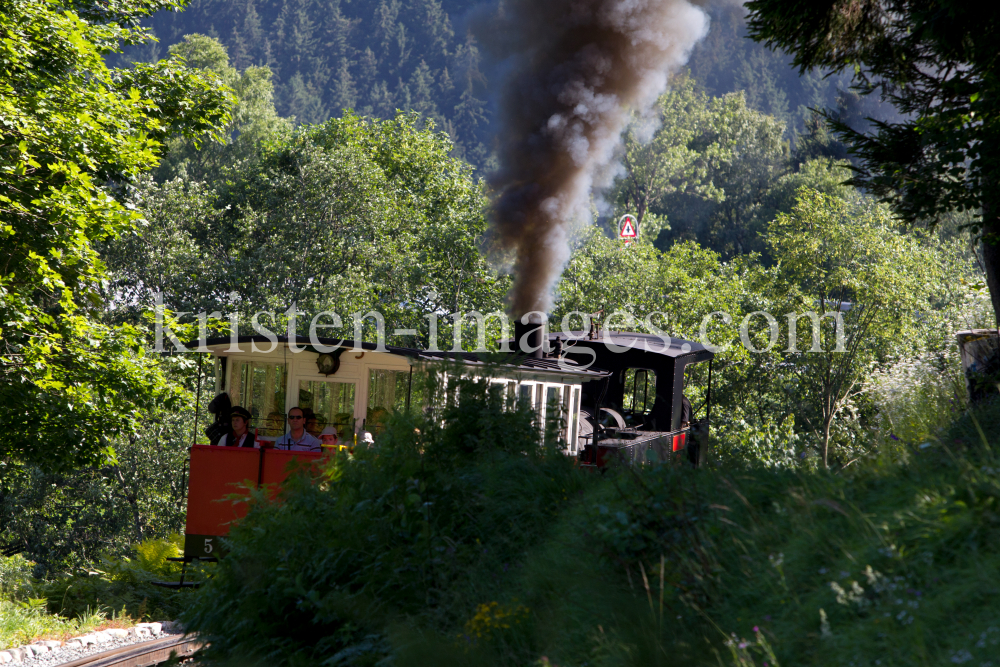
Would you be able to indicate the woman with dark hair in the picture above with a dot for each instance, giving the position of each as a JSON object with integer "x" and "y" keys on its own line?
{"x": 220, "y": 407}
{"x": 239, "y": 434}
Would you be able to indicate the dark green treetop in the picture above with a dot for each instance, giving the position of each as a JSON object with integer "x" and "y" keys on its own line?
{"x": 936, "y": 62}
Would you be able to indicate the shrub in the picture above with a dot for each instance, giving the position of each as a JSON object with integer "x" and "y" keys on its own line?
{"x": 423, "y": 529}
{"x": 447, "y": 547}
{"x": 15, "y": 576}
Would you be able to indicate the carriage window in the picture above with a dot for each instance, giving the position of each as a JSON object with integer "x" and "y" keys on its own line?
{"x": 640, "y": 390}
{"x": 388, "y": 392}
{"x": 553, "y": 411}
{"x": 498, "y": 393}
{"x": 567, "y": 397}
{"x": 220, "y": 374}
{"x": 332, "y": 402}
{"x": 574, "y": 419}
{"x": 420, "y": 389}
{"x": 525, "y": 396}
{"x": 260, "y": 388}
{"x": 553, "y": 401}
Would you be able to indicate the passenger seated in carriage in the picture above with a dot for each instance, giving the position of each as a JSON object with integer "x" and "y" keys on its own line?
{"x": 298, "y": 439}
{"x": 329, "y": 437}
{"x": 314, "y": 423}
{"x": 239, "y": 434}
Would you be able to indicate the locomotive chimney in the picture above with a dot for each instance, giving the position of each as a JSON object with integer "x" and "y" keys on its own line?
{"x": 529, "y": 338}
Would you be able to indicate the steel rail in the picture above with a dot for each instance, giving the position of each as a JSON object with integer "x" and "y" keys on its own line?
{"x": 144, "y": 654}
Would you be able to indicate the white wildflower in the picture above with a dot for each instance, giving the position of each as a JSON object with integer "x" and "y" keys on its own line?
{"x": 824, "y": 625}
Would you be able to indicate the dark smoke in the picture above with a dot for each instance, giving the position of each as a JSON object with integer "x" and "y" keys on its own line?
{"x": 578, "y": 70}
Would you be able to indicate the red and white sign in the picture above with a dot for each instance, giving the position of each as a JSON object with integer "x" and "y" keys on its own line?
{"x": 628, "y": 228}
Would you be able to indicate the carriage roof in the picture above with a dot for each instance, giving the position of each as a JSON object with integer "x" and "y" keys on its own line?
{"x": 515, "y": 364}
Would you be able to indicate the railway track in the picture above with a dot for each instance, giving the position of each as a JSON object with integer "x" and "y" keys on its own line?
{"x": 145, "y": 654}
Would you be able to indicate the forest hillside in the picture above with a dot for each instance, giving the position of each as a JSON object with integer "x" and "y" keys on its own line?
{"x": 423, "y": 55}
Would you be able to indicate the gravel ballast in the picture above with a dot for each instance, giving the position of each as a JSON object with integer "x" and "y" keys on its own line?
{"x": 51, "y": 653}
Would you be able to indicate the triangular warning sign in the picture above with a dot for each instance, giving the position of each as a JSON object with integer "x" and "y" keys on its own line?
{"x": 628, "y": 231}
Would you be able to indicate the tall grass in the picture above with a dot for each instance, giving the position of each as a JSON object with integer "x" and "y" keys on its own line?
{"x": 918, "y": 398}
{"x": 462, "y": 541}
{"x": 23, "y": 621}
{"x": 876, "y": 567}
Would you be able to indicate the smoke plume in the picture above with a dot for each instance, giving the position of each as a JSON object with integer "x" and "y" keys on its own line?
{"x": 577, "y": 70}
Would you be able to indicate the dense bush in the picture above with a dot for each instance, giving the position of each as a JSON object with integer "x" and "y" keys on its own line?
{"x": 122, "y": 585}
{"x": 443, "y": 549}
{"x": 434, "y": 522}
{"x": 889, "y": 566}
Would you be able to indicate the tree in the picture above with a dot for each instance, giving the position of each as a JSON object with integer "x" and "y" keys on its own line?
{"x": 682, "y": 284}
{"x": 669, "y": 161}
{"x": 706, "y": 168}
{"x": 63, "y": 520}
{"x": 75, "y": 134}
{"x": 936, "y": 61}
{"x": 846, "y": 257}
{"x": 752, "y": 156}
{"x": 824, "y": 175}
{"x": 727, "y": 62}
{"x": 354, "y": 215}
{"x": 371, "y": 57}
{"x": 252, "y": 120}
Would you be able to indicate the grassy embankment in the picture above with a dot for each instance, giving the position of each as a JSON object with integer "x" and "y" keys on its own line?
{"x": 446, "y": 549}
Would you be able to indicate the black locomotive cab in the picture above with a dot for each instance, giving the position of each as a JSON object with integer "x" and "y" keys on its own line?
{"x": 642, "y": 412}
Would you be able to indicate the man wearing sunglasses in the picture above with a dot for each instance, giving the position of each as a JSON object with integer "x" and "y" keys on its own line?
{"x": 298, "y": 439}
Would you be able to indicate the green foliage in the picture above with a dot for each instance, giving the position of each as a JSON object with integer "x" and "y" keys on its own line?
{"x": 771, "y": 445}
{"x": 680, "y": 285}
{"x": 402, "y": 556}
{"x": 818, "y": 143}
{"x": 124, "y": 585}
{"x": 253, "y": 119}
{"x": 430, "y": 525}
{"x": 735, "y": 154}
{"x": 727, "y": 62}
{"x": 823, "y": 175}
{"x": 349, "y": 216}
{"x": 75, "y": 134}
{"x": 935, "y": 62}
{"x": 833, "y": 249}
{"x": 22, "y": 621}
{"x": 117, "y": 593}
{"x": 918, "y": 397}
{"x": 837, "y": 257}
{"x": 15, "y": 575}
{"x": 64, "y": 521}
{"x": 152, "y": 554}
{"x": 828, "y": 569}
{"x": 673, "y": 159}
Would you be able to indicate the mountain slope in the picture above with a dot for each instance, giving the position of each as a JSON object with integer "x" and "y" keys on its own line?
{"x": 372, "y": 56}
